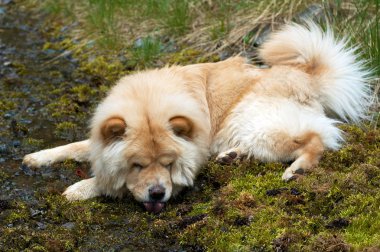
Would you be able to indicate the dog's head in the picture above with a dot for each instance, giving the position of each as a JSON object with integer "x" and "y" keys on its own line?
{"x": 148, "y": 139}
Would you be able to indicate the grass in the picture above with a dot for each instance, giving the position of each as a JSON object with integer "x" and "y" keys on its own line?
{"x": 145, "y": 50}
{"x": 243, "y": 207}
{"x": 211, "y": 26}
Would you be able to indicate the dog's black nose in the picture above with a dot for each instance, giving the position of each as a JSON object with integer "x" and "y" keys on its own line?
{"x": 156, "y": 192}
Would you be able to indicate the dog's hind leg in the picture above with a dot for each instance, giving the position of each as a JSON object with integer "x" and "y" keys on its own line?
{"x": 78, "y": 151}
{"x": 82, "y": 190}
{"x": 307, "y": 155}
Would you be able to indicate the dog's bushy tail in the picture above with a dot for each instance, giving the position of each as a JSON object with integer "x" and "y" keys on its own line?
{"x": 339, "y": 77}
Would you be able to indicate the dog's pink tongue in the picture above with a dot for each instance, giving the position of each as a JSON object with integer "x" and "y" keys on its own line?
{"x": 154, "y": 207}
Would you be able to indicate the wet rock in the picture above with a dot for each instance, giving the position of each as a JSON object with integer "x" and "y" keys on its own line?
{"x": 47, "y": 174}
{"x": 338, "y": 223}
{"x": 25, "y": 121}
{"x": 276, "y": 191}
{"x": 4, "y": 204}
{"x": 294, "y": 191}
{"x": 5, "y": 2}
{"x": 27, "y": 170}
{"x": 243, "y": 221}
{"x": 24, "y": 27}
{"x": 41, "y": 226}
{"x": 34, "y": 213}
{"x": 3, "y": 148}
{"x": 7, "y": 115}
{"x": 69, "y": 225}
{"x": 16, "y": 143}
{"x": 138, "y": 43}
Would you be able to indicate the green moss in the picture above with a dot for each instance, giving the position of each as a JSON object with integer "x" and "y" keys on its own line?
{"x": 6, "y": 105}
{"x": 37, "y": 143}
{"x": 63, "y": 107}
{"x": 84, "y": 93}
{"x": 104, "y": 68}
{"x": 20, "y": 68}
{"x": 255, "y": 210}
{"x": 183, "y": 57}
{"x": 19, "y": 212}
{"x": 3, "y": 176}
{"x": 240, "y": 207}
{"x": 65, "y": 130}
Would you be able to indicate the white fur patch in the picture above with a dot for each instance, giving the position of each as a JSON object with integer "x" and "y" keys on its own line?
{"x": 253, "y": 124}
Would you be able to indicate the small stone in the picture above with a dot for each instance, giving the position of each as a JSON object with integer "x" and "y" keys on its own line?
{"x": 3, "y": 148}
{"x": 27, "y": 170}
{"x": 4, "y": 204}
{"x": 69, "y": 225}
{"x": 7, "y": 115}
{"x": 41, "y": 226}
{"x": 294, "y": 191}
{"x": 5, "y": 2}
{"x": 338, "y": 223}
{"x": 16, "y": 143}
{"x": 276, "y": 191}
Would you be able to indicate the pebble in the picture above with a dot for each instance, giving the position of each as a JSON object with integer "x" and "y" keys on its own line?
{"x": 69, "y": 225}
{"x": 4, "y": 2}
{"x": 3, "y": 148}
{"x": 16, "y": 143}
{"x": 41, "y": 226}
{"x": 294, "y": 191}
{"x": 27, "y": 170}
{"x": 8, "y": 115}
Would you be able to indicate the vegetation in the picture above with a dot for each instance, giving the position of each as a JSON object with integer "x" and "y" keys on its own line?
{"x": 240, "y": 207}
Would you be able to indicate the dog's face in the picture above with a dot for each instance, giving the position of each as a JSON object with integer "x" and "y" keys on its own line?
{"x": 151, "y": 144}
{"x": 151, "y": 154}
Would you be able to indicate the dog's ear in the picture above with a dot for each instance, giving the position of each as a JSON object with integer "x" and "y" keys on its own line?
{"x": 182, "y": 127}
{"x": 113, "y": 128}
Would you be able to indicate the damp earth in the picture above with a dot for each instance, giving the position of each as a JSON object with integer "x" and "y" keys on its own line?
{"x": 50, "y": 83}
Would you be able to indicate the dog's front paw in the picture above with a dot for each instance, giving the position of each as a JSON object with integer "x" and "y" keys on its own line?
{"x": 82, "y": 190}
{"x": 228, "y": 157}
{"x": 37, "y": 159}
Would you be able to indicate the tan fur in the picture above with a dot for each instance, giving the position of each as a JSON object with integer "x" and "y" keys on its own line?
{"x": 182, "y": 126}
{"x": 216, "y": 88}
{"x": 112, "y": 128}
{"x": 156, "y": 128}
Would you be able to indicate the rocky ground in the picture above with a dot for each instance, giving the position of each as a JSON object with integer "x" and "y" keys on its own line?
{"x": 50, "y": 83}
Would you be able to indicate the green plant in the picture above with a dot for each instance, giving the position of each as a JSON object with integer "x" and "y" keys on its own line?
{"x": 146, "y": 51}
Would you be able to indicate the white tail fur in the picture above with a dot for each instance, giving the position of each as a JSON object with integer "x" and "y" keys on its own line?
{"x": 340, "y": 78}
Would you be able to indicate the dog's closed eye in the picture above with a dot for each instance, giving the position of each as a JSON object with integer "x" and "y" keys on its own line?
{"x": 137, "y": 166}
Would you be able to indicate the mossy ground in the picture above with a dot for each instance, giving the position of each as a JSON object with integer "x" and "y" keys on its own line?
{"x": 240, "y": 207}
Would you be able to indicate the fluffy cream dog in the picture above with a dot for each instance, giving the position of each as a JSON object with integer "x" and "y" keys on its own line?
{"x": 156, "y": 128}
